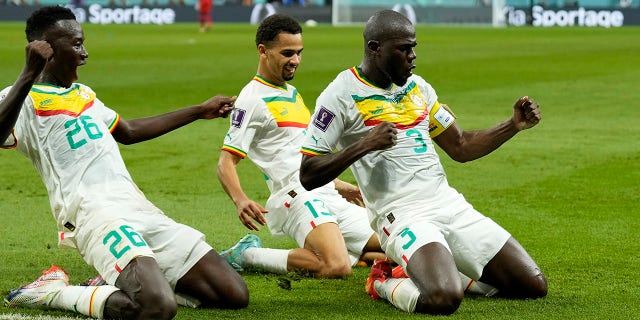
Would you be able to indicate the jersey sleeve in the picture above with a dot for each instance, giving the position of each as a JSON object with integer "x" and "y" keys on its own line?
{"x": 109, "y": 117}
{"x": 244, "y": 122}
{"x": 326, "y": 126}
{"x": 440, "y": 116}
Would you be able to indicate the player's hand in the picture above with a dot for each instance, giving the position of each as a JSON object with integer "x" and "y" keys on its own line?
{"x": 350, "y": 192}
{"x": 250, "y": 211}
{"x": 526, "y": 113}
{"x": 38, "y": 53}
{"x": 218, "y": 106}
{"x": 382, "y": 136}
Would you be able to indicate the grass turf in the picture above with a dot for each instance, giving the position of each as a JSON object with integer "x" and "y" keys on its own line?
{"x": 567, "y": 189}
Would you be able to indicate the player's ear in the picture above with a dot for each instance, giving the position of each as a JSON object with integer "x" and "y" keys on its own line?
{"x": 262, "y": 49}
{"x": 373, "y": 45}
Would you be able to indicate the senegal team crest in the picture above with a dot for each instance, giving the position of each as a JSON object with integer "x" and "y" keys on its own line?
{"x": 406, "y": 109}
{"x": 50, "y": 101}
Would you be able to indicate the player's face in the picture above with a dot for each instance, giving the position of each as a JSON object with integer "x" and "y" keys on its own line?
{"x": 397, "y": 56}
{"x": 282, "y": 57}
{"x": 67, "y": 40}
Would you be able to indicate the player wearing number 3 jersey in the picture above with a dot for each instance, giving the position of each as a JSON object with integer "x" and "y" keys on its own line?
{"x": 382, "y": 119}
{"x": 71, "y": 138}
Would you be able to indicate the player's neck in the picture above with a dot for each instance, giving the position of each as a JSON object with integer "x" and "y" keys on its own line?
{"x": 373, "y": 75}
{"x": 50, "y": 79}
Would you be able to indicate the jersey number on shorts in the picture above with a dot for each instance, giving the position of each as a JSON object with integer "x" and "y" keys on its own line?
{"x": 116, "y": 236}
{"x": 313, "y": 210}
{"x": 412, "y": 238}
{"x": 90, "y": 128}
{"x": 418, "y": 139}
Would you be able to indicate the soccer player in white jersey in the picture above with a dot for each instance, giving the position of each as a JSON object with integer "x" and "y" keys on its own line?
{"x": 267, "y": 125}
{"x": 383, "y": 120}
{"x": 71, "y": 138}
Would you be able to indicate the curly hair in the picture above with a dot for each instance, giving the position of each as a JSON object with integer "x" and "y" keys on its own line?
{"x": 42, "y": 19}
{"x": 275, "y": 24}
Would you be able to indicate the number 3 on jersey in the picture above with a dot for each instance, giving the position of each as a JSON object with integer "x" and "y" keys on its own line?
{"x": 418, "y": 138}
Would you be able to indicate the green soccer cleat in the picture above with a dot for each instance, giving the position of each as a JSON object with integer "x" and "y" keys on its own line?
{"x": 234, "y": 255}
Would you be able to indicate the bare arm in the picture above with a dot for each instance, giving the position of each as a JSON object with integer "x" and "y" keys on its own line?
{"x": 138, "y": 130}
{"x": 248, "y": 210}
{"x": 37, "y": 54}
{"x": 348, "y": 191}
{"x": 464, "y": 146}
{"x": 320, "y": 170}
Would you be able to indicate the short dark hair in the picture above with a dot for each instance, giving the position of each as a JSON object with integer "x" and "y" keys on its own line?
{"x": 42, "y": 19}
{"x": 275, "y": 24}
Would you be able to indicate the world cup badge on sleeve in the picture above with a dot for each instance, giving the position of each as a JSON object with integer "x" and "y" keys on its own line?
{"x": 237, "y": 116}
{"x": 323, "y": 119}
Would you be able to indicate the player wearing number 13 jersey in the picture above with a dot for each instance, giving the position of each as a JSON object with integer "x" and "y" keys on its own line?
{"x": 268, "y": 125}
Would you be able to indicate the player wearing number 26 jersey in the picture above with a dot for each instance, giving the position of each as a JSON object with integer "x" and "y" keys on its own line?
{"x": 146, "y": 259}
{"x": 66, "y": 133}
{"x": 57, "y": 130}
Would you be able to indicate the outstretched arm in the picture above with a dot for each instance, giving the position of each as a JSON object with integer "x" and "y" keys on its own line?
{"x": 320, "y": 170}
{"x": 248, "y": 210}
{"x": 138, "y": 130}
{"x": 37, "y": 54}
{"x": 463, "y": 146}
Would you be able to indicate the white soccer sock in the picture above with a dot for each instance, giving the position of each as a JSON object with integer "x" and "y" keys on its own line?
{"x": 476, "y": 287}
{"x": 87, "y": 300}
{"x": 267, "y": 259}
{"x": 401, "y": 292}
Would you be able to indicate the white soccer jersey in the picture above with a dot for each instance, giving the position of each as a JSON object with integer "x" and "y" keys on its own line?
{"x": 66, "y": 133}
{"x": 267, "y": 125}
{"x": 408, "y": 173}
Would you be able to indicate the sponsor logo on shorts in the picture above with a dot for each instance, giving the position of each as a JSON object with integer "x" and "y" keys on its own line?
{"x": 323, "y": 119}
{"x": 390, "y": 217}
{"x": 69, "y": 226}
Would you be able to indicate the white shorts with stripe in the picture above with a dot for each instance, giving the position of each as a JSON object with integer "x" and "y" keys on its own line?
{"x": 295, "y": 212}
{"x": 472, "y": 238}
{"x": 110, "y": 237}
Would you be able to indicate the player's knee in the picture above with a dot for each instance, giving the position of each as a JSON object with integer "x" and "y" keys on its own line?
{"x": 158, "y": 306}
{"x": 147, "y": 306}
{"x": 236, "y": 297}
{"x": 537, "y": 286}
{"x": 439, "y": 302}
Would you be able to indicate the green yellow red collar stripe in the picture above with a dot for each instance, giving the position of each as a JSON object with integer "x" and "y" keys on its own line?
{"x": 358, "y": 74}
{"x": 269, "y": 83}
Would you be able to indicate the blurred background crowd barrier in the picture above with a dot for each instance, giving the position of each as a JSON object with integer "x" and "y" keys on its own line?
{"x": 499, "y": 13}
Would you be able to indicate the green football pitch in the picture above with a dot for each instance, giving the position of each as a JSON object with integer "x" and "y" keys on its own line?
{"x": 567, "y": 189}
